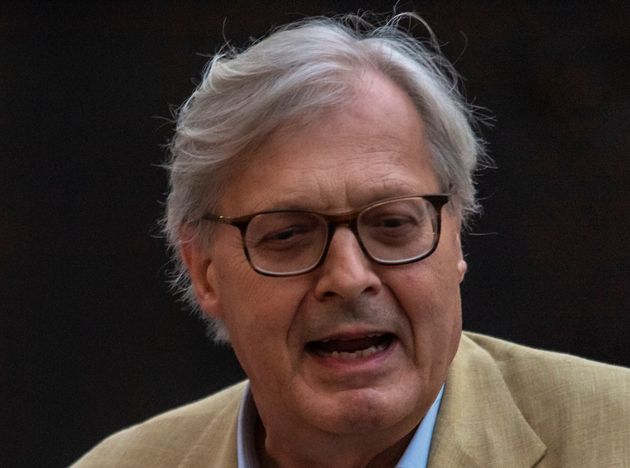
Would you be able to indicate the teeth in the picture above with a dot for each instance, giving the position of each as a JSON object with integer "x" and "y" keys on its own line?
{"x": 362, "y": 353}
{"x": 371, "y": 335}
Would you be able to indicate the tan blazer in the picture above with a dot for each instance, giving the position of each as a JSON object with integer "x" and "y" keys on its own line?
{"x": 504, "y": 406}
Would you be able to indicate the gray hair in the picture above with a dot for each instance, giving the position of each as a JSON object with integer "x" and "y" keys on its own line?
{"x": 293, "y": 75}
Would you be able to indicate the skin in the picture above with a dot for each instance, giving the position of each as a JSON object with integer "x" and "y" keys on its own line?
{"x": 314, "y": 410}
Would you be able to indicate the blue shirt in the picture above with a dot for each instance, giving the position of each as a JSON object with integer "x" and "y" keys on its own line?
{"x": 416, "y": 454}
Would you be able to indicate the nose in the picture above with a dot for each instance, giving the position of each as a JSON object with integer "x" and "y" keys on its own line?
{"x": 346, "y": 272}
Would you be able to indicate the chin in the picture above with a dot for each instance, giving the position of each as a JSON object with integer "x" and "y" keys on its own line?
{"x": 365, "y": 411}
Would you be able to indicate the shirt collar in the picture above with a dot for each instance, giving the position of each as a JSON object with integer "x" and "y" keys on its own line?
{"x": 245, "y": 431}
{"x": 416, "y": 454}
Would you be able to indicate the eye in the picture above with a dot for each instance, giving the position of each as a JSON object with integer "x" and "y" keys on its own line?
{"x": 283, "y": 231}
{"x": 395, "y": 222}
{"x": 392, "y": 228}
{"x": 392, "y": 219}
{"x": 285, "y": 234}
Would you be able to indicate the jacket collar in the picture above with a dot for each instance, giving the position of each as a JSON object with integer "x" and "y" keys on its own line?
{"x": 479, "y": 424}
{"x": 216, "y": 445}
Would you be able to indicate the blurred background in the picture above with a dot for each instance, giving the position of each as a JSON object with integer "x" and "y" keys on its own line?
{"x": 91, "y": 340}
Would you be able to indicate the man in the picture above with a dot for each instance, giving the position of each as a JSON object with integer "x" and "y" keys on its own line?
{"x": 319, "y": 183}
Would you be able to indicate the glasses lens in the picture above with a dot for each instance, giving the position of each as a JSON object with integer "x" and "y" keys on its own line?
{"x": 285, "y": 242}
{"x": 399, "y": 230}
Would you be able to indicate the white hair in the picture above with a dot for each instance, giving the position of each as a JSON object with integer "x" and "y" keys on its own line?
{"x": 292, "y": 75}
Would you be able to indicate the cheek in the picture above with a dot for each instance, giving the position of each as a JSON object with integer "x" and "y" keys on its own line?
{"x": 256, "y": 305}
{"x": 426, "y": 286}
{"x": 430, "y": 297}
{"x": 260, "y": 321}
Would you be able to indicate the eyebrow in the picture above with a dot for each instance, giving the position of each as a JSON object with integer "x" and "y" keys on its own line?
{"x": 302, "y": 201}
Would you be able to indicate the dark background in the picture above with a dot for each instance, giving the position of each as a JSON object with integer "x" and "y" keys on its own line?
{"x": 91, "y": 338}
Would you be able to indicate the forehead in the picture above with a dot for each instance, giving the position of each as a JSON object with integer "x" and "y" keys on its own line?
{"x": 370, "y": 148}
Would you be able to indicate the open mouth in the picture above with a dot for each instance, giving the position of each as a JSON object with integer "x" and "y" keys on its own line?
{"x": 354, "y": 348}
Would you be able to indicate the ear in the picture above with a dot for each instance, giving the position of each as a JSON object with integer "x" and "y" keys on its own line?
{"x": 462, "y": 266}
{"x": 197, "y": 259}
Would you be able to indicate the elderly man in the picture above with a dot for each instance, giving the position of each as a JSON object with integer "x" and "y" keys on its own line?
{"x": 319, "y": 183}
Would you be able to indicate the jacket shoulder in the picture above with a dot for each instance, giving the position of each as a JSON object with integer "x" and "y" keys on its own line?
{"x": 523, "y": 366}
{"x": 579, "y": 408}
{"x": 207, "y": 425}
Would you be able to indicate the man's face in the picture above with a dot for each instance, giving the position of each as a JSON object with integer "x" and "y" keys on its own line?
{"x": 371, "y": 149}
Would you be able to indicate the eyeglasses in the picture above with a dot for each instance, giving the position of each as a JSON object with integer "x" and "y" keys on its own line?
{"x": 394, "y": 231}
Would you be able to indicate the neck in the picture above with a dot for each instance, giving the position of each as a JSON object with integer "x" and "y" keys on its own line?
{"x": 300, "y": 452}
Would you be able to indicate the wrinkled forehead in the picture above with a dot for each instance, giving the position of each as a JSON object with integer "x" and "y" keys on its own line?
{"x": 372, "y": 146}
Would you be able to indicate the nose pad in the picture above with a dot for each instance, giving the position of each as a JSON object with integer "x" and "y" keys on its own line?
{"x": 346, "y": 271}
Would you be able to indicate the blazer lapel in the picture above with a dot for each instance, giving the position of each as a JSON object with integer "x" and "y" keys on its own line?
{"x": 479, "y": 423}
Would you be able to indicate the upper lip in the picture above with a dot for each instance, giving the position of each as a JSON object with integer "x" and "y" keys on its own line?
{"x": 346, "y": 335}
